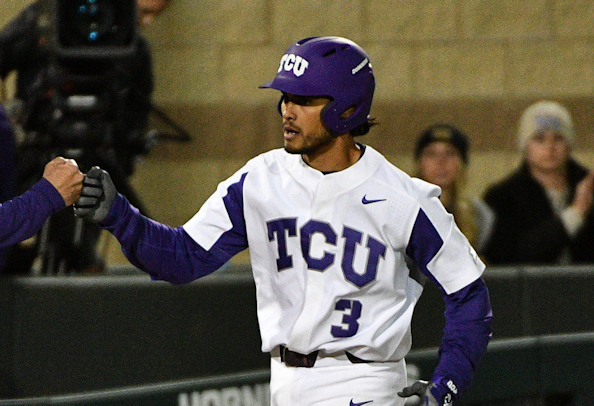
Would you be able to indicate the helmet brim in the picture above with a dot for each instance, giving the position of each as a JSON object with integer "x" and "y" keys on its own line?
{"x": 298, "y": 88}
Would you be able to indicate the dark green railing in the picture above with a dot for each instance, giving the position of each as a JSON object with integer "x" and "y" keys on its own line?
{"x": 64, "y": 335}
{"x": 537, "y": 371}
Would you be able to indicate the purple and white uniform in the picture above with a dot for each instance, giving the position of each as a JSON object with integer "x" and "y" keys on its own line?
{"x": 339, "y": 262}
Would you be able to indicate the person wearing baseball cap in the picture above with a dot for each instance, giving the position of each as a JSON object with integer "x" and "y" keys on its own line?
{"x": 441, "y": 157}
{"x": 544, "y": 209}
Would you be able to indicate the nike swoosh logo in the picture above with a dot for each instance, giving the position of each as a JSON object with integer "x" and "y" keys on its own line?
{"x": 365, "y": 201}
{"x": 359, "y": 404}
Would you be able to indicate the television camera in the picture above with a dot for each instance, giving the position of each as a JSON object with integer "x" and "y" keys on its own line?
{"x": 90, "y": 101}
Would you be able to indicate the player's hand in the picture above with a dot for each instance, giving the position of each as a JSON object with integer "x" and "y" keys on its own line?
{"x": 422, "y": 389}
{"x": 64, "y": 175}
{"x": 97, "y": 196}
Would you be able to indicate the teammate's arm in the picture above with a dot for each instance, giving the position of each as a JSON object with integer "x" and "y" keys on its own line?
{"x": 21, "y": 217}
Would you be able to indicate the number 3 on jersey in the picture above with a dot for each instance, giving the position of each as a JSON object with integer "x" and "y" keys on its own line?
{"x": 350, "y": 325}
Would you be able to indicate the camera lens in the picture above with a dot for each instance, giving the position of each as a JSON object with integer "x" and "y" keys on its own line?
{"x": 95, "y": 24}
{"x": 93, "y": 19}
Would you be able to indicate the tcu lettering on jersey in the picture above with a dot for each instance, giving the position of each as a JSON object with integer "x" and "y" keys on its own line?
{"x": 281, "y": 229}
{"x": 293, "y": 62}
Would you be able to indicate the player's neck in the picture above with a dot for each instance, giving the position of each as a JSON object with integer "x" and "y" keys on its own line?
{"x": 339, "y": 155}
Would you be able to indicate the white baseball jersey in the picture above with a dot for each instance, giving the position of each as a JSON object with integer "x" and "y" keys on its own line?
{"x": 336, "y": 256}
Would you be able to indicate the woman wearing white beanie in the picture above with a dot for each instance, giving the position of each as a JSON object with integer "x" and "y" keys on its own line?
{"x": 544, "y": 209}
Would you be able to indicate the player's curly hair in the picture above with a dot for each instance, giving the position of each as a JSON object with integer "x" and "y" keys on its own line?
{"x": 364, "y": 128}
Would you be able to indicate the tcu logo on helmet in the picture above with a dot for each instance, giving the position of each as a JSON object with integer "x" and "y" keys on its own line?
{"x": 293, "y": 62}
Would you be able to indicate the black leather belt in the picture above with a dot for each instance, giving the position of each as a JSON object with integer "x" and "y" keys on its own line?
{"x": 295, "y": 359}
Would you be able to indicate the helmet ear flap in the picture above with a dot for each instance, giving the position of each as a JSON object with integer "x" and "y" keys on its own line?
{"x": 333, "y": 116}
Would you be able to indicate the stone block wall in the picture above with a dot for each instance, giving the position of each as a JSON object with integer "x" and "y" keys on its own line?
{"x": 473, "y": 63}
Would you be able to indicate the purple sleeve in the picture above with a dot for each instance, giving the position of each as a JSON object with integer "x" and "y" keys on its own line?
{"x": 466, "y": 335}
{"x": 21, "y": 217}
{"x": 166, "y": 253}
{"x": 467, "y": 317}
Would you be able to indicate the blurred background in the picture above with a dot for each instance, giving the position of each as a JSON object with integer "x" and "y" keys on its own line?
{"x": 475, "y": 63}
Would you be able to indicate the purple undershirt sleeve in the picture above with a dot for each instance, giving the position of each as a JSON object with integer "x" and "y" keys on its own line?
{"x": 466, "y": 334}
{"x": 467, "y": 317}
{"x": 165, "y": 253}
{"x": 23, "y": 216}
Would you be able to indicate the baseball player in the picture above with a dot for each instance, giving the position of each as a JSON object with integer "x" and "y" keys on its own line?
{"x": 340, "y": 240}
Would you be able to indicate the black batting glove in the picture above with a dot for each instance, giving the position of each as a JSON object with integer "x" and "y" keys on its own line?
{"x": 97, "y": 196}
{"x": 422, "y": 389}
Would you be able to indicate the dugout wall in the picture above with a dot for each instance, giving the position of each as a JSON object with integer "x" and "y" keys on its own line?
{"x": 64, "y": 335}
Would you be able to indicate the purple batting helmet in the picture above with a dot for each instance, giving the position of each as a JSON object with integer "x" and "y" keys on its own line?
{"x": 332, "y": 67}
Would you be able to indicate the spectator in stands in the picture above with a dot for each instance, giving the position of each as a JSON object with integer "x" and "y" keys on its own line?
{"x": 544, "y": 209}
{"x": 441, "y": 158}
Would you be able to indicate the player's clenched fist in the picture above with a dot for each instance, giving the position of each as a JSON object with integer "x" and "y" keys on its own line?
{"x": 97, "y": 196}
{"x": 65, "y": 176}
